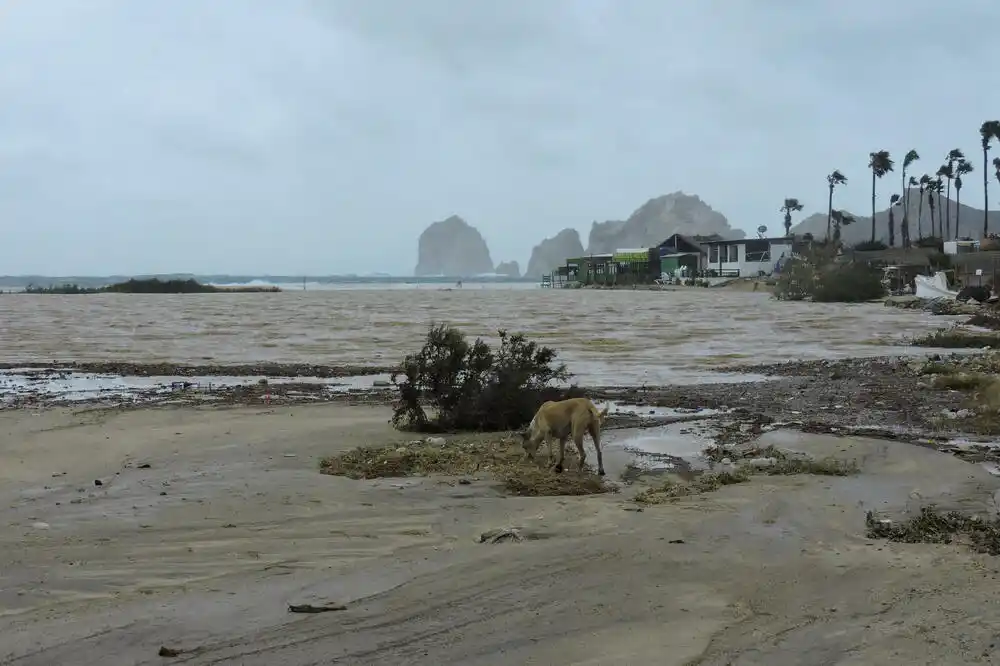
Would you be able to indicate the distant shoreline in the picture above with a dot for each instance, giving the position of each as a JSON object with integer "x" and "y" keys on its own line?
{"x": 223, "y": 281}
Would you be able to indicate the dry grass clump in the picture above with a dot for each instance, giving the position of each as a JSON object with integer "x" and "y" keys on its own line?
{"x": 503, "y": 458}
{"x": 957, "y": 338}
{"x": 778, "y": 463}
{"x": 961, "y": 381}
{"x": 703, "y": 483}
{"x": 982, "y": 534}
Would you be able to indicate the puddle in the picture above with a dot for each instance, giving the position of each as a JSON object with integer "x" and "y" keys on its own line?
{"x": 676, "y": 447}
{"x": 57, "y": 385}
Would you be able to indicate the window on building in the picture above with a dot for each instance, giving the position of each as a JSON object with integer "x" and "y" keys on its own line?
{"x": 734, "y": 253}
{"x": 758, "y": 250}
{"x": 713, "y": 254}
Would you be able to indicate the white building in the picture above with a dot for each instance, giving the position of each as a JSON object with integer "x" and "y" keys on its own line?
{"x": 749, "y": 257}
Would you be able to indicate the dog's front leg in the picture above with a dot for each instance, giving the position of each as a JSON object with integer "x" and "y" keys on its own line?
{"x": 562, "y": 455}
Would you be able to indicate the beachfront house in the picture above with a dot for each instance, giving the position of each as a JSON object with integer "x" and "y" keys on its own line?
{"x": 747, "y": 257}
{"x": 679, "y": 252}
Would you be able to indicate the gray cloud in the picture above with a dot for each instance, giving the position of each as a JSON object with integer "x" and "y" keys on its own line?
{"x": 321, "y": 136}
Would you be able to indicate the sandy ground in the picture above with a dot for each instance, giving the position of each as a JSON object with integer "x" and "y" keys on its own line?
{"x": 203, "y": 549}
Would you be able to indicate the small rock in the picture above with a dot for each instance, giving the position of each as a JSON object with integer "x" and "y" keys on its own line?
{"x": 726, "y": 461}
{"x": 40, "y": 525}
{"x": 760, "y": 463}
{"x": 435, "y": 441}
{"x": 98, "y": 482}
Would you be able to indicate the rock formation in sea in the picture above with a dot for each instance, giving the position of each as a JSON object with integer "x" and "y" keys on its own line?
{"x": 658, "y": 219}
{"x": 454, "y": 248}
{"x": 508, "y": 268}
{"x": 553, "y": 252}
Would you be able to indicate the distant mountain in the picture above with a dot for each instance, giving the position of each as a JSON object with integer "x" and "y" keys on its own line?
{"x": 970, "y": 219}
{"x": 658, "y": 219}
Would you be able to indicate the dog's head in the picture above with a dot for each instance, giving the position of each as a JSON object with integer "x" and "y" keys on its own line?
{"x": 529, "y": 443}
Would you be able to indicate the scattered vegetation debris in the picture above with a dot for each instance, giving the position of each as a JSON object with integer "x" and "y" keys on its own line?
{"x": 703, "y": 483}
{"x": 958, "y": 338}
{"x": 501, "y": 535}
{"x": 465, "y": 455}
{"x": 169, "y": 652}
{"x": 981, "y": 533}
{"x": 318, "y": 608}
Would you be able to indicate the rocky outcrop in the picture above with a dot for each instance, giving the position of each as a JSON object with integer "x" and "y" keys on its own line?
{"x": 508, "y": 268}
{"x": 454, "y": 248}
{"x": 658, "y": 219}
{"x": 553, "y": 252}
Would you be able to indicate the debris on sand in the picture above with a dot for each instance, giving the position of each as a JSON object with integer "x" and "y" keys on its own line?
{"x": 982, "y": 534}
{"x": 703, "y": 483}
{"x": 463, "y": 456}
{"x": 169, "y": 652}
{"x": 958, "y": 338}
{"x": 501, "y": 535}
{"x": 315, "y": 608}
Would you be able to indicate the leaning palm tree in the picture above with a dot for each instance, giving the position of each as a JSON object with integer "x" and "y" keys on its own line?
{"x": 790, "y": 206}
{"x": 921, "y": 188}
{"x": 945, "y": 172}
{"x": 987, "y": 132}
{"x": 962, "y": 168}
{"x": 996, "y": 165}
{"x": 833, "y": 180}
{"x": 893, "y": 202}
{"x": 880, "y": 163}
{"x": 840, "y": 219}
{"x": 910, "y": 158}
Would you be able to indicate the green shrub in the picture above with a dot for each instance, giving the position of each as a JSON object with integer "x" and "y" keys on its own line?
{"x": 473, "y": 387}
{"x": 818, "y": 276}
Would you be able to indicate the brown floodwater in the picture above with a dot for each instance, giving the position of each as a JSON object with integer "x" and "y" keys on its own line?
{"x": 631, "y": 337}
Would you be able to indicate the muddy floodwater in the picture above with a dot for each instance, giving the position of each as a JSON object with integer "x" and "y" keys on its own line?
{"x": 623, "y": 337}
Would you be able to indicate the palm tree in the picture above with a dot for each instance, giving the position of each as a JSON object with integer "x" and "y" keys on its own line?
{"x": 988, "y": 131}
{"x": 790, "y": 206}
{"x": 996, "y": 165}
{"x": 910, "y": 158}
{"x": 934, "y": 188}
{"x": 833, "y": 180}
{"x": 880, "y": 163}
{"x": 954, "y": 155}
{"x": 962, "y": 168}
{"x": 893, "y": 202}
{"x": 922, "y": 187}
{"x": 840, "y": 218}
{"x": 945, "y": 171}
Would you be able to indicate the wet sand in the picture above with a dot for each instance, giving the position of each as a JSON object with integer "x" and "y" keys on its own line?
{"x": 606, "y": 336}
{"x": 208, "y": 523}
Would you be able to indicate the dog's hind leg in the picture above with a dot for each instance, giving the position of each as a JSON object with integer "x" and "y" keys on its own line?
{"x": 578, "y": 440}
{"x": 595, "y": 434}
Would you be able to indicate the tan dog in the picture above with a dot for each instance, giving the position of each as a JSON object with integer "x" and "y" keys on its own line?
{"x": 561, "y": 420}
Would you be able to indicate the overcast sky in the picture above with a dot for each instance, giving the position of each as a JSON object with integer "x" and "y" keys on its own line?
{"x": 322, "y": 136}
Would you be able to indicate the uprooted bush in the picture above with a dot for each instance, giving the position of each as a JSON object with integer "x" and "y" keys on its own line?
{"x": 502, "y": 458}
{"x": 819, "y": 277}
{"x": 474, "y": 387}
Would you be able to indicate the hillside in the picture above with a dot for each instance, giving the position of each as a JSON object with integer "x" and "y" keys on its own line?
{"x": 971, "y": 220}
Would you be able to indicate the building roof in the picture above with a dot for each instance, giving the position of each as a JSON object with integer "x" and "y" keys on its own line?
{"x": 737, "y": 241}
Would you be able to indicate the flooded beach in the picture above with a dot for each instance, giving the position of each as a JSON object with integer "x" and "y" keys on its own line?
{"x": 605, "y": 337}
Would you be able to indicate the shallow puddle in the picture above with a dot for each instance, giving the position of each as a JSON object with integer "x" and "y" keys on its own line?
{"x": 58, "y": 385}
